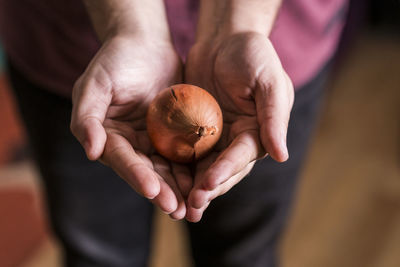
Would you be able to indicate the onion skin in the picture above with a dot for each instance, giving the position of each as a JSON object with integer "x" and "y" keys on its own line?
{"x": 184, "y": 122}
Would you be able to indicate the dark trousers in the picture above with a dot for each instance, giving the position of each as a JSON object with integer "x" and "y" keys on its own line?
{"x": 101, "y": 221}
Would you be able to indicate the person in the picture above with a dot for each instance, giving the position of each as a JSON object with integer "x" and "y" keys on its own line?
{"x": 124, "y": 52}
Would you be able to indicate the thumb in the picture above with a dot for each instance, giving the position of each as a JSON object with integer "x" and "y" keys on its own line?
{"x": 90, "y": 104}
{"x": 274, "y": 102}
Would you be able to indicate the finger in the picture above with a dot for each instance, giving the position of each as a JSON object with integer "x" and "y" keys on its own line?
{"x": 166, "y": 199}
{"x": 91, "y": 100}
{"x": 234, "y": 180}
{"x": 183, "y": 178}
{"x": 244, "y": 149}
{"x": 200, "y": 197}
{"x": 195, "y": 215}
{"x": 131, "y": 166}
{"x": 202, "y": 166}
{"x": 199, "y": 194}
{"x": 170, "y": 200}
{"x": 274, "y": 103}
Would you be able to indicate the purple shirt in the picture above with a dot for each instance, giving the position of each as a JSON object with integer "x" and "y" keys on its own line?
{"x": 52, "y": 41}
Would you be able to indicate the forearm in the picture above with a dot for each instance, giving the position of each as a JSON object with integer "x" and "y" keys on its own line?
{"x": 226, "y": 17}
{"x": 128, "y": 17}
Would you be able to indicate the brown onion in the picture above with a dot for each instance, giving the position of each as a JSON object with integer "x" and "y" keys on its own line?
{"x": 184, "y": 122}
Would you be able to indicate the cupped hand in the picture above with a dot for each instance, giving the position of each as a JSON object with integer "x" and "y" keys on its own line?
{"x": 110, "y": 102}
{"x": 244, "y": 73}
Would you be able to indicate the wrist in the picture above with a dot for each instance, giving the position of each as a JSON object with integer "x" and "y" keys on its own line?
{"x": 221, "y": 19}
{"x": 138, "y": 28}
{"x": 132, "y": 18}
{"x": 139, "y": 34}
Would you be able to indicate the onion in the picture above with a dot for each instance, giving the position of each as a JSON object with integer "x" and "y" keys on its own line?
{"x": 184, "y": 122}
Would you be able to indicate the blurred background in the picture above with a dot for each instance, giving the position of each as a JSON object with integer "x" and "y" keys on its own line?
{"x": 347, "y": 207}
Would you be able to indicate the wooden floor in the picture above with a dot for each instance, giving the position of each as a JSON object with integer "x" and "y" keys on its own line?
{"x": 347, "y": 208}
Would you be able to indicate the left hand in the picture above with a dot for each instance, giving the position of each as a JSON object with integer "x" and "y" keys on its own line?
{"x": 244, "y": 74}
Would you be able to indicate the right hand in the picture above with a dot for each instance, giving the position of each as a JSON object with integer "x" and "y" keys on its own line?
{"x": 110, "y": 102}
